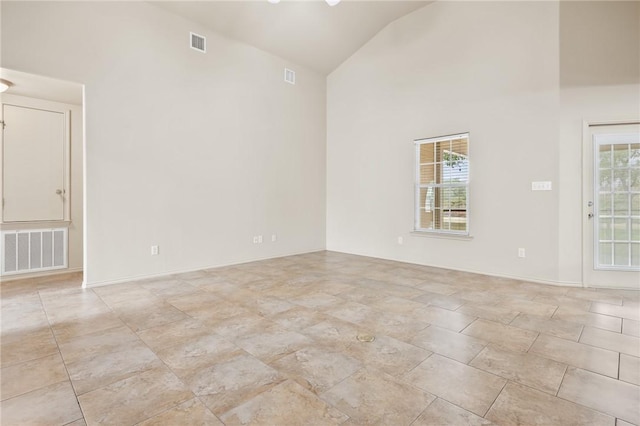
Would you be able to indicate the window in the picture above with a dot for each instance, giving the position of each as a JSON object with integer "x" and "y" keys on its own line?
{"x": 442, "y": 184}
{"x": 618, "y": 202}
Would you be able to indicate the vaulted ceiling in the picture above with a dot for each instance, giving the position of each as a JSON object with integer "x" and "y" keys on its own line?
{"x": 307, "y": 32}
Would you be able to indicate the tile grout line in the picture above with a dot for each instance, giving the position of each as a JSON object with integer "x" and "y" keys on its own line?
{"x": 507, "y": 381}
{"x": 566, "y": 368}
{"x": 64, "y": 364}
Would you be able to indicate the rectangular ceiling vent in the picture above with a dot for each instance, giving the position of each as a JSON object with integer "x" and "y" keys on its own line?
{"x": 289, "y": 76}
{"x": 198, "y": 42}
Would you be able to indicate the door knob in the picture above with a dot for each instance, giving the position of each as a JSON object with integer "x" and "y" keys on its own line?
{"x": 590, "y": 215}
{"x": 59, "y": 191}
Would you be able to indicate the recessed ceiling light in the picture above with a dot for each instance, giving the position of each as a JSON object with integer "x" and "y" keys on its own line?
{"x": 332, "y": 2}
{"x": 274, "y": 1}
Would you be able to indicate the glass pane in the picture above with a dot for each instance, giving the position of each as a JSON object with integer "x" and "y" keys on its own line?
{"x": 635, "y": 204}
{"x": 635, "y": 230}
{"x": 441, "y": 147}
{"x": 605, "y": 252}
{"x": 445, "y": 220}
{"x": 443, "y": 208}
{"x": 427, "y": 174}
{"x": 455, "y": 220}
{"x": 634, "y": 178}
{"x": 634, "y": 155}
{"x": 621, "y": 204}
{"x": 605, "y": 180}
{"x": 426, "y": 153}
{"x": 605, "y": 156}
{"x": 621, "y": 180}
{"x": 426, "y": 208}
{"x": 635, "y": 254}
{"x": 605, "y": 230}
{"x": 604, "y": 204}
{"x": 620, "y": 155}
{"x": 621, "y": 254}
{"x": 455, "y": 169}
{"x": 457, "y": 198}
{"x": 621, "y": 229}
{"x": 443, "y": 198}
{"x": 459, "y": 220}
{"x": 459, "y": 147}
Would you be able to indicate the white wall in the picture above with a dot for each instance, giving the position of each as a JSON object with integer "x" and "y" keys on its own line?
{"x": 75, "y": 170}
{"x": 600, "y": 81}
{"x": 490, "y": 68}
{"x": 194, "y": 152}
{"x": 521, "y": 77}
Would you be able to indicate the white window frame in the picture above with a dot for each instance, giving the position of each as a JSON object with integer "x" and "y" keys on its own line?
{"x": 419, "y": 186}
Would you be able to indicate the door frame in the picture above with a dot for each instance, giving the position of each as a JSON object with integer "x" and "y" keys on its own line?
{"x": 587, "y": 166}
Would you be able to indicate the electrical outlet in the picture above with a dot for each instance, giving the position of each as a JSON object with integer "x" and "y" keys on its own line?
{"x": 155, "y": 250}
{"x": 400, "y": 240}
{"x": 259, "y": 239}
{"x": 274, "y": 238}
{"x": 255, "y": 239}
{"x": 521, "y": 252}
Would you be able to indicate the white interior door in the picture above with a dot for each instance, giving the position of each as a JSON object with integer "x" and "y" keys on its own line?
{"x": 33, "y": 164}
{"x": 612, "y": 206}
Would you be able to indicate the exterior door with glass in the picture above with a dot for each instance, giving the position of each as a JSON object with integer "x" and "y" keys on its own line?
{"x": 611, "y": 243}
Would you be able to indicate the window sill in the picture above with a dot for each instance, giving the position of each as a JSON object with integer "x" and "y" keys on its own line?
{"x": 444, "y": 235}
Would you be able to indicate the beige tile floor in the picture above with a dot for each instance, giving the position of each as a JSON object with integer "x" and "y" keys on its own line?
{"x": 275, "y": 343}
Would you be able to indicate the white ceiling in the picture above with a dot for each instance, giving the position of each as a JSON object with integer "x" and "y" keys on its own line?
{"x": 307, "y": 32}
{"x": 36, "y": 86}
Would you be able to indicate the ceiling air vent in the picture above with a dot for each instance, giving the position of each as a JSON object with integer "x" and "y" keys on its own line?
{"x": 289, "y": 76}
{"x": 198, "y": 42}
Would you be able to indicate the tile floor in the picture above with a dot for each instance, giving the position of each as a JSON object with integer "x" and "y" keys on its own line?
{"x": 275, "y": 343}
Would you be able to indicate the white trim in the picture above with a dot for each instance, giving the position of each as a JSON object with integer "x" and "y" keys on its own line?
{"x": 84, "y": 186}
{"x": 441, "y": 138}
{"x": 472, "y": 271}
{"x": 45, "y": 224}
{"x": 51, "y": 273}
{"x": 441, "y": 234}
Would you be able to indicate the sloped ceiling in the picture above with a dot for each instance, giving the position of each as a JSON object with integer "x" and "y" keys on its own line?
{"x": 307, "y": 32}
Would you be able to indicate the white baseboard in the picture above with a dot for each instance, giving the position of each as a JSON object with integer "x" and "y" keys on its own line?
{"x": 472, "y": 271}
{"x": 16, "y": 277}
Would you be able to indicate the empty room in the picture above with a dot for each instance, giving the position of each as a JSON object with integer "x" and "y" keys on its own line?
{"x": 320, "y": 212}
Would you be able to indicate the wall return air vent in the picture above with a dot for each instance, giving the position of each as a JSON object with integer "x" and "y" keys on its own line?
{"x": 33, "y": 250}
{"x": 198, "y": 42}
{"x": 289, "y": 76}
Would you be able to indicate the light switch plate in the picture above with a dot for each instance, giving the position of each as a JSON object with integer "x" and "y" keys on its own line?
{"x": 541, "y": 186}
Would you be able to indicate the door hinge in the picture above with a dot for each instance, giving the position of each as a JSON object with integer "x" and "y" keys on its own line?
{"x": 3, "y": 124}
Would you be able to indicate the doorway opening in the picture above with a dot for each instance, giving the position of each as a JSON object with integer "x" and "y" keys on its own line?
{"x": 42, "y": 177}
